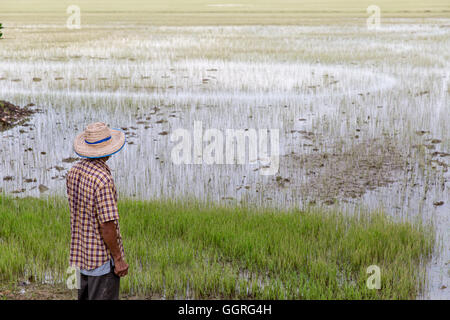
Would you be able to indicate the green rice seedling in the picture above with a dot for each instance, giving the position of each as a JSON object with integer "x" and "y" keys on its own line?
{"x": 209, "y": 251}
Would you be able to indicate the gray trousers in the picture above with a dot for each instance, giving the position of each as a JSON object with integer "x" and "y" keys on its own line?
{"x": 104, "y": 287}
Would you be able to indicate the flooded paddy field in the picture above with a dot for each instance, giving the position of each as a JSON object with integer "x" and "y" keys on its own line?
{"x": 363, "y": 115}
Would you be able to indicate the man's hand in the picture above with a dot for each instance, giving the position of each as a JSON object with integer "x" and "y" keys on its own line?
{"x": 120, "y": 267}
{"x": 109, "y": 235}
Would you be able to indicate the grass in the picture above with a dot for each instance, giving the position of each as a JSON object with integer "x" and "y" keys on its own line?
{"x": 224, "y": 12}
{"x": 230, "y": 7}
{"x": 188, "y": 249}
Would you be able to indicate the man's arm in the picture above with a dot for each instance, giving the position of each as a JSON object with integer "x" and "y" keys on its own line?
{"x": 109, "y": 235}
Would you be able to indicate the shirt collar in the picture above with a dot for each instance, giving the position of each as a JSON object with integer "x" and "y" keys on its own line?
{"x": 102, "y": 163}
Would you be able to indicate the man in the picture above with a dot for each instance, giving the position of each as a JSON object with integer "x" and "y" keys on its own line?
{"x": 96, "y": 244}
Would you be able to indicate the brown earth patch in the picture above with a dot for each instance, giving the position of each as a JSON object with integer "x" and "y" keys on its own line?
{"x": 328, "y": 176}
{"x": 11, "y": 115}
{"x": 35, "y": 291}
{"x": 40, "y": 291}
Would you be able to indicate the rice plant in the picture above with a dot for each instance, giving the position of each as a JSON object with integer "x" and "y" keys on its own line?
{"x": 189, "y": 250}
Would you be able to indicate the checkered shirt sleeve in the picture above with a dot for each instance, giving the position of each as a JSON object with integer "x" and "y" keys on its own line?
{"x": 106, "y": 203}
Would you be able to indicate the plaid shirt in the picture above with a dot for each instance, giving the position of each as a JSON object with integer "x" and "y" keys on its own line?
{"x": 93, "y": 201}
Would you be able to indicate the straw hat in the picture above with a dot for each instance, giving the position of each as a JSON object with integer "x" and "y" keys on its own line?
{"x": 98, "y": 141}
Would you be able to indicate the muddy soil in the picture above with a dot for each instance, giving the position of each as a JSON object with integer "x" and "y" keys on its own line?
{"x": 34, "y": 291}
{"x": 339, "y": 175}
{"x": 12, "y": 115}
{"x": 24, "y": 290}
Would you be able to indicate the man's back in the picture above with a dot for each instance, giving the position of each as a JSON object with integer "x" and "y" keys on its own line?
{"x": 96, "y": 245}
{"x": 93, "y": 201}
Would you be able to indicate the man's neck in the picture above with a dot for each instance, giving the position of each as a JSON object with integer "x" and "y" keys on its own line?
{"x": 102, "y": 161}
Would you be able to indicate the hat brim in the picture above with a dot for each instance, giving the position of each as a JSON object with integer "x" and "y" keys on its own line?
{"x": 85, "y": 150}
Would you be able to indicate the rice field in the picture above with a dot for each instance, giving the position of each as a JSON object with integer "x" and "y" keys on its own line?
{"x": 192, "y": 251}
{"x": 363, "y": 115}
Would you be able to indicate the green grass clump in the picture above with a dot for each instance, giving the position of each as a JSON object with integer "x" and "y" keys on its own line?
{"x": 187, "y": 249}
